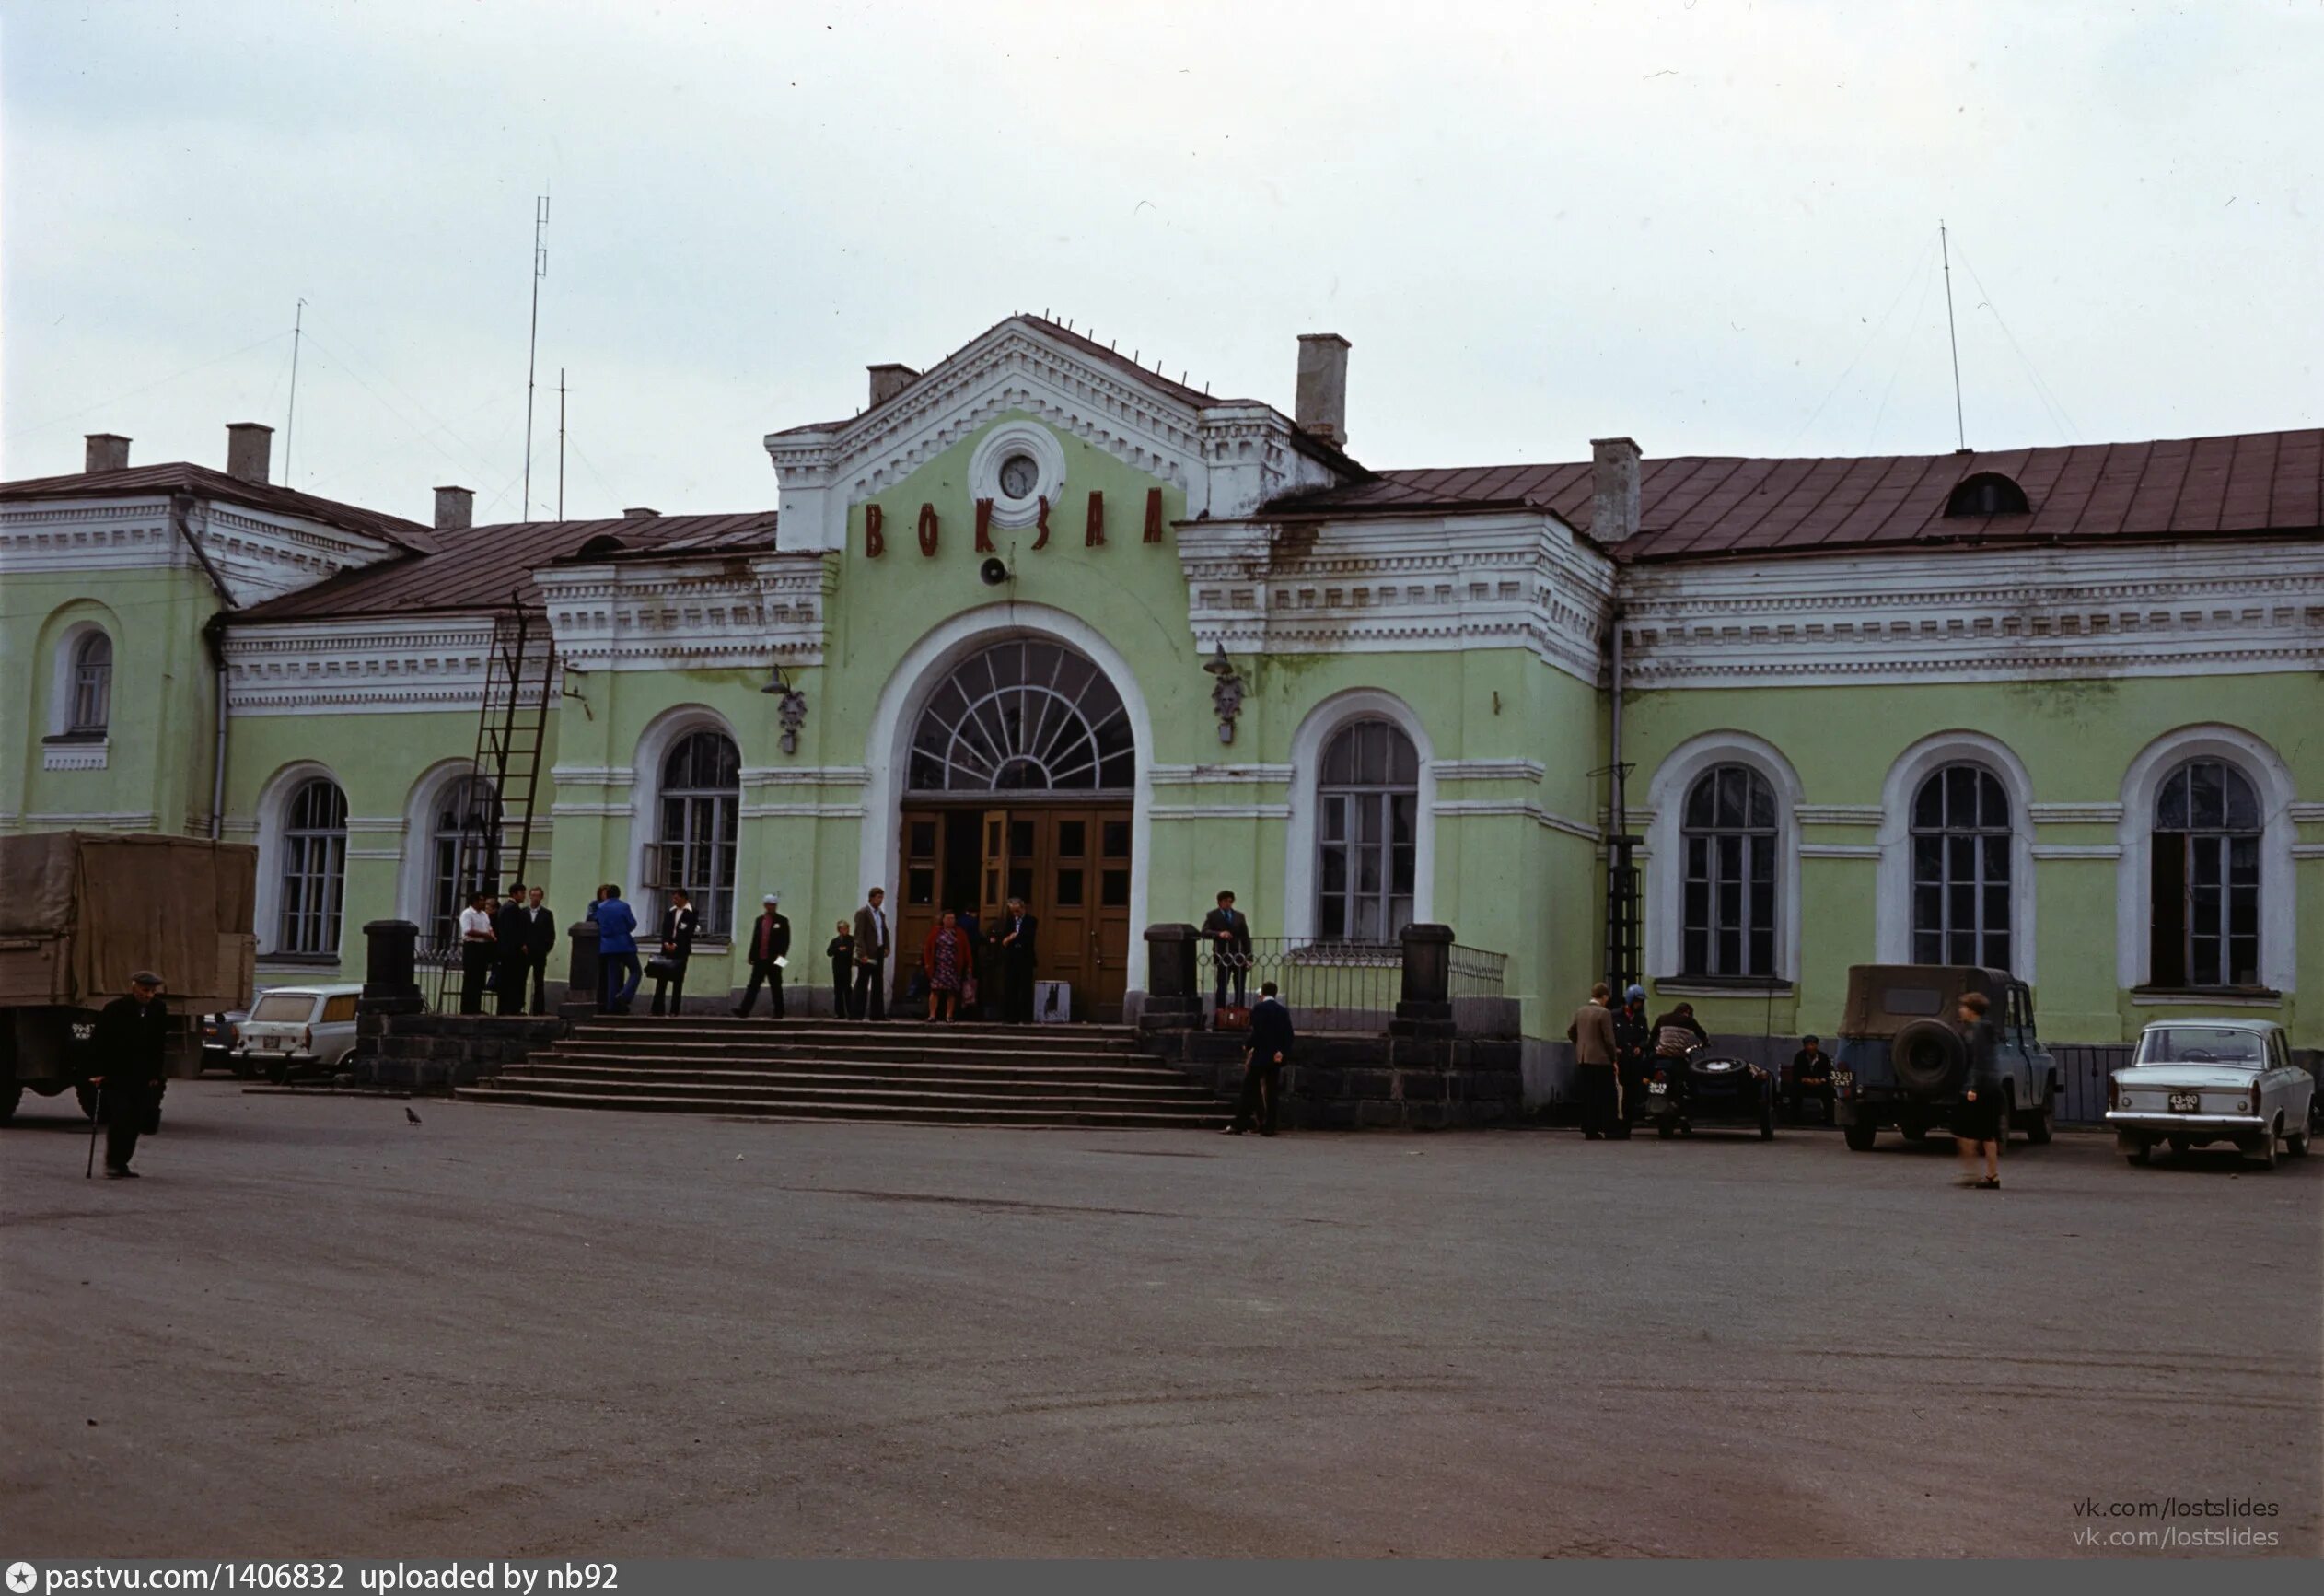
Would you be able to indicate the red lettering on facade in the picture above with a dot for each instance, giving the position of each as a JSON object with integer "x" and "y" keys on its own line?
{"x": 1154, "y": 515}
{"x": 1041, "y": 524}
{"x": 1096, "y": 535}
{"x": 927, "y": 529}
{"x": 875, "y": 544}
{"x": 984, "y": 527}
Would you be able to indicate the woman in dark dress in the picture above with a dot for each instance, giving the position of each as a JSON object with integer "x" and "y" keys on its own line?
{"x": 1976, "y": 1126}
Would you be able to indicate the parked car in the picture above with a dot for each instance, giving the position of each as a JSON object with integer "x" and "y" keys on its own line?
{"x": 1903, "y": 1061}
{"x": 2193, "y": 1082}
{"x": 1710, "y": 1089}
{"x": 215, "y": 1034}
{"x": 295, "y": 1030}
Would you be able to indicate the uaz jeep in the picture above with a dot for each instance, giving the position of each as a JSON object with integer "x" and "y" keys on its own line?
{"x": 1903, "y": 1060}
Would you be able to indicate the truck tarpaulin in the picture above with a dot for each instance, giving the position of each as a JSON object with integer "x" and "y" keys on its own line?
{"x": 110, "y": 903}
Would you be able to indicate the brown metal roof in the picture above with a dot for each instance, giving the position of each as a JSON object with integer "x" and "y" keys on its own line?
{"x": 182, "y": 477}
{"x": 1700, "y": 506}
{"x": 479, "y": 568}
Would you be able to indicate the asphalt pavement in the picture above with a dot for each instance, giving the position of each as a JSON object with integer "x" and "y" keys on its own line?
{"x": 316, "y": 1329}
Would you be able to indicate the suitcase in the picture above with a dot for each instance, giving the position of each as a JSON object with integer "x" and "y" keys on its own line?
{"x": 1231, "y": 1016}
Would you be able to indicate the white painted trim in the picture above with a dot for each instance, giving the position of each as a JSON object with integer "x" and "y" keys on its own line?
{"x": 102, "y": 621}
{"x": 578, "y": 807}
{"x": 2199, "y": 1000}
{"x": 118, "y": 820}
{"x": 385, "y": 664}
{"x": 2272, "y": 782}
{"x": 1456, "y": 807}
{"x": 1307, "y": 762}
{"x": 75, "y": 755}
{"x": 370, "y": 854}
{"x": 1528, "y": 770}
{"x": 690, "y": 612}
{"x": 2306, "y": 812}
{"x": 1840, "y": 851}
{"x": 804, "y": 775}
{"x": 591, "y": 775}
{"x": 1218, "y": 774}
{"x": 412, "y": 881}
{"x": 274, "y": 798}
{"x": 1892, "y": 910}
{"x": 654, "y": 744}
{"x": 1025, "y": 438}
{"x": 2307, "y": 850}
{"x": 1840, "y": 814}
{"x": 1222, "y": 811}
{"x": 923, "y": 669}
{"x": 2078, "y": 851}
{"x": 2066, "y": 814}
{"x": 1665, "y": 887}
{"x": 813, "y": 812}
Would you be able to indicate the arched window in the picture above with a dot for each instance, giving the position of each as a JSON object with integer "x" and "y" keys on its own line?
{"x": 1986, "y": 493}
{"x": 314, "y": 867}
{"x": 702, "y": 802}
{"x": 92, "y": 696}
{"x": 1024, "y": 717}
{"x": 464, "y": 850}
{"x": 2206, "y": 878}
{"x": 1368, "y": 809}
{"x": 1961, "y": 841}
{"x": 1730, "y": 838}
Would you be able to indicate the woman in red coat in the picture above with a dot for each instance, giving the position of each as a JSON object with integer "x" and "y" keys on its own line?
{"x": 949, "y": 961}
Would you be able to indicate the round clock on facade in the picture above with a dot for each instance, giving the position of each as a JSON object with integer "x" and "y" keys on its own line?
{"x": 1020, "y": 476}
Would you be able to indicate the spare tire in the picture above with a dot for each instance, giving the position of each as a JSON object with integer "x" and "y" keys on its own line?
{"x": 1930, "y": 1058}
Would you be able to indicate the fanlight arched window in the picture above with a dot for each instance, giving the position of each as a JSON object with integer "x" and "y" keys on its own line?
{"x": 464, "y": 849}
{"x": 701, "y": 806}
{"x": 314, "y": 867}
{"x": 1368, "y": 809}
{"x": 2206, "y": 878}
{"x": 1024, "y": 717}
{"x": 92, "y": 687}
{"x": 1986, "y": 493}
{"x": 1730, "y": 837}
{"x": 1961, "y": 841}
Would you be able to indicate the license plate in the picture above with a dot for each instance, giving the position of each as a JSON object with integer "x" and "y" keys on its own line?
{"x": 1659, "y": 1088}
{"x": 2185, "y": 1102}
{"x": 269, "y": 1043}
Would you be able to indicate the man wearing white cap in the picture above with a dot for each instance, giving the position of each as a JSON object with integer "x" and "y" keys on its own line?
{"x": 769, "y": 945}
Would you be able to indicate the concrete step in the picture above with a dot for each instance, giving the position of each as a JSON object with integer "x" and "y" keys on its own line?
{"x": 1050, "y": 1116}
{"x": 603, "y": 1050}
{"x": 656, "y": 1035}
{"x": 841, "y": 1088}
{"x": 870, "y": 1071}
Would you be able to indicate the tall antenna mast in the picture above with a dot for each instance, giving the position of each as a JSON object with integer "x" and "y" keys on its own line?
{"x": 1961, "y": 430}
{"x": 532, "y": 345}
{"x": 298, "y": 323}
{"x": 560, "y": 443}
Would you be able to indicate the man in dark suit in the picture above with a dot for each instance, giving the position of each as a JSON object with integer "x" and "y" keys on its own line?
{"x": 679, "y": 923}
{"x": 770, "y": 940}
{"x": 541, "y": 940}
{"x": 512, "y": 934}
{"x": 1016, "y": 936}
{"x": 129, "y": 1039}
{"x": 1227, "y": 930}
{"x": 1271, "y": 1040}
{"x": 870, "y": 1001}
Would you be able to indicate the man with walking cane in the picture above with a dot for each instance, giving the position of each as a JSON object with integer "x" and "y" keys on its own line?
{"x": 129, "y": 1040}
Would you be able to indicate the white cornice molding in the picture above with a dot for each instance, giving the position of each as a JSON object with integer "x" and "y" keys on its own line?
{"x": 1220, "y": 812}
{"x": 1977, "y": 615}
{"x": 2073, "y": 814}
{"x": 2307, "y": 850}
{"x": 1456, "y": 808}
{"x": 801, "y": 811}
{"x": 592, "y": 776}
{"x": 2077, "y": 850}
{"x": 1438, "y": 583}
{"x": 65, "y": 820}
{"x": 2306, "y": 812}
{"x": 575, "y": 807}
{"x": 75, "y": 755}
{"x": 1526, "y": 770}
{"x": 689, "y": 613}
{"x": 806, "y": 776}
{"x": 1867, "y": 851}
{"x": 386, "y": 665}
{"x": 262, "y": 555}
{"x": 1837, "y": 814}
{"x": 1217, "y": 774}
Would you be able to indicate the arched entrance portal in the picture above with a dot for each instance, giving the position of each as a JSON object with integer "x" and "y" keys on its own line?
{"x": 1022, "y": 769}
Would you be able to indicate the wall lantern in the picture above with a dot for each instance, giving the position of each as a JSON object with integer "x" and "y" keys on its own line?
{"x": 1227, "y": 693}
{"x": 793, "y": 708}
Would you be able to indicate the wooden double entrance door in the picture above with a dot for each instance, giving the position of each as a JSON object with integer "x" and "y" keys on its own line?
{"x": 1070, "y": 862}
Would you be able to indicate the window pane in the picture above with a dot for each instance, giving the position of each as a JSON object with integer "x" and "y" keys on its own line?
{"x": 1695, "y": 958}
{"x": 2207, "y": 802}
{"x": 1114, "y": 839}
{"x": 1069, "y": 888}
{"x": 1928, "y": 807}
{"x": 2243, "y": 804}
{"x": 1113, "y": 888}
{"x": 2170, "y": 808}
{"x": 1073, "y": 839}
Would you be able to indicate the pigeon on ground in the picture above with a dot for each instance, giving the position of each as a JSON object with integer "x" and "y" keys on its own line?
{"x": 410, "y": 1115}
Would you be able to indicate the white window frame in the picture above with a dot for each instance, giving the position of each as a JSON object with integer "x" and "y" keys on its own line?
{"x": 2270, "y": 780}
{"x": 1892, "y": 935}
{"x": 1302, "y": 848}
{"x": 278, "y": 859}
{"x": 64, "y": 685}
{"x": 654, "y": 748}
{"x": 1665, "y": 859}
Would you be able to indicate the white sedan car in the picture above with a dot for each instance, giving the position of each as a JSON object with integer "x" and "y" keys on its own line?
{"x": 2199, "y": 1081}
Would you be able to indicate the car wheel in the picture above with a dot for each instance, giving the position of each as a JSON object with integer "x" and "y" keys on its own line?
{"x": 2143, "y": 1153}
{"x": 2295, "y": 1142}
{"x": 2178, "y": 1146}
{"x": 2044, "y": 1123}
{"x": 1860, "y": 1136}
{"x": 2262, "y": 1150}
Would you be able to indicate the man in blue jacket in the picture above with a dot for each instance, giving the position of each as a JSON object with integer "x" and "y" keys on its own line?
{"x": 1271, "y": 1039}
{"x": 617, "y": 953}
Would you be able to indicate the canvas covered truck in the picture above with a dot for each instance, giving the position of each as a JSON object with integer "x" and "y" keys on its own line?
{"x": 81, "y": 910}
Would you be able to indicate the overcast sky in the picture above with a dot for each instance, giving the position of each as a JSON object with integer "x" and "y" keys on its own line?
{"x": 1708, "y": 224}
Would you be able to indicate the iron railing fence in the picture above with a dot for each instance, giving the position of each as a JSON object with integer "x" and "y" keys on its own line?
{"x": 1329, "y": 985}
{"x": 1478, "y": 972}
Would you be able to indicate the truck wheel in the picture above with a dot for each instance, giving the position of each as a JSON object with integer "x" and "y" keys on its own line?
{"x": 86, "y": 1095}
{"x": 2044, "y": 1123}
{"x": 1860, "y": 1135}
{"x": 12, "y": 1094}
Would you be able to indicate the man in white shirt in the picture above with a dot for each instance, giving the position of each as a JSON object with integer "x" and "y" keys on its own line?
{"x": 478, "y": 948}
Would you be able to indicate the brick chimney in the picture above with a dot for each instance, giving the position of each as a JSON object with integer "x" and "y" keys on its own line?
{"x": 455, "y": 510}
{"x": 247, "y": 444}
{"x": 887, "y": 381}
{"x": 106, "y": 451}
{"x": 1613, "y": 506}
{"x": 1321, "y": 407}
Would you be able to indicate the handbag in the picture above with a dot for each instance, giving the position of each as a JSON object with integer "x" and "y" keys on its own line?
{"x": 967, "y": 989}
{"x": 661, "y": 967}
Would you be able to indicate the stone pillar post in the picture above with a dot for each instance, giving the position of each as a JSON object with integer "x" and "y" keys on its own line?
{"x": 1424, "y": 1006}
{"x": 389, "y": 983}
{"x": 1172, "y": 1002}
{"x": 581, "y": 977}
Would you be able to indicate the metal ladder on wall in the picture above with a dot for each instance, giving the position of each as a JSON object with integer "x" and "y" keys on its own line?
{"x": 1624, "y": 953}
{"x": 511, "y": 729}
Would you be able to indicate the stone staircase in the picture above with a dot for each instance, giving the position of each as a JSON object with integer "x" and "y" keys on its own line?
{"x": 1048, "y": 1076}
